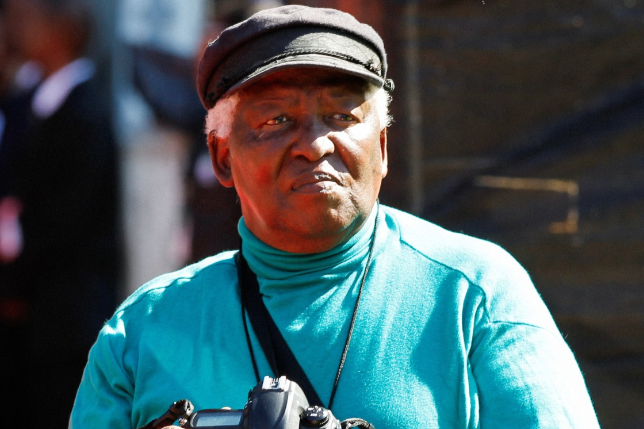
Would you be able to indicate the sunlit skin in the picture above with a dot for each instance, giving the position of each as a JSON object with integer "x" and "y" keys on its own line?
{"x": 306, "y": 154}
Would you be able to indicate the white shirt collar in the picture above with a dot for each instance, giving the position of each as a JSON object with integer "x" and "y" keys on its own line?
{"x": 53, "y": 92}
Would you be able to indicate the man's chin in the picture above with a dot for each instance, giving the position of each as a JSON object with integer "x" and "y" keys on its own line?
{"x": 326, "y": 217}
{"x": 322, "y": 202}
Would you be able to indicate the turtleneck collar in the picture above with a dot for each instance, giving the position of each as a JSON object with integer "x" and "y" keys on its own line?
{"x": 271, "y": 264}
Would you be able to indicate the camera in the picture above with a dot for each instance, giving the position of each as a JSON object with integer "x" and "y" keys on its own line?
{"x": 275, "y": 403}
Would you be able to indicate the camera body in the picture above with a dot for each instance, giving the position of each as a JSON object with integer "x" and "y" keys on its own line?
{"x": 275, "y": 403}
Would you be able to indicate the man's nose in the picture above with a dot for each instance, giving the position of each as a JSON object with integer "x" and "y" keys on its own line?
{"x": 312, "y": 140}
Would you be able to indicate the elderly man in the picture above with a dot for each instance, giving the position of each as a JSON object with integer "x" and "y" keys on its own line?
{"x": 391, "y": 319}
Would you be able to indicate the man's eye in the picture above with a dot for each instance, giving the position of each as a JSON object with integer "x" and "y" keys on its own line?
{"x": 277, "y": 120}
{"x": 342, "y": 117}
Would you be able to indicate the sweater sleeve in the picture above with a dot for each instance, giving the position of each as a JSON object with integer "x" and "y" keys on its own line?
{"x": 527, "y": 377}
{"x": 104, "y": 398}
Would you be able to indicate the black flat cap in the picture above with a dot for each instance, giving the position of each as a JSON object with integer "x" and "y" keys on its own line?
{"x": 285, "y": 37}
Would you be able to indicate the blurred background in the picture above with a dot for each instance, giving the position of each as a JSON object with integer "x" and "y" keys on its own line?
{"x": 517, "y": 122}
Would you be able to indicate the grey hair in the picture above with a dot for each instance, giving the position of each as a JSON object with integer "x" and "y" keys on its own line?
{"x": 383, "y": 100}
{"x": 219, "y": 118}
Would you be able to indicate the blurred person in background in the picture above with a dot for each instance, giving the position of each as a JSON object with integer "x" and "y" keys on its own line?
{"x": 59, "y": 258}
{"x": 18, "y": 80}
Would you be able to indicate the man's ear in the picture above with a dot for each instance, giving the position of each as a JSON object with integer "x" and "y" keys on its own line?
{"x": 220, "y": 157}
{"x": 383, "y": 151}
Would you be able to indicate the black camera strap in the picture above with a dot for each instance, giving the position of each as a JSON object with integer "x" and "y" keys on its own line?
{"x": 279, "y": 355}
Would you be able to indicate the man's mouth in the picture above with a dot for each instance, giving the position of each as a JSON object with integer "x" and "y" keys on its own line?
{"x": 316, "y": 182}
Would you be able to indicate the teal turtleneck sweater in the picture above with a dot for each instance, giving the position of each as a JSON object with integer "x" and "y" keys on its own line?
{"x": 450, "y": 334}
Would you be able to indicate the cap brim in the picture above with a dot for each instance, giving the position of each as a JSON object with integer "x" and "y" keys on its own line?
{"x": 309, "y": 61}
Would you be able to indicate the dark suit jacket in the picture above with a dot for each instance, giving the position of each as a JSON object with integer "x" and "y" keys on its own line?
{"x": 67, "y": 180}
{"x": 16, "y": 109}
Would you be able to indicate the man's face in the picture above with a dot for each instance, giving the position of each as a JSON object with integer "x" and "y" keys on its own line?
{"x": 307, "y": 154}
